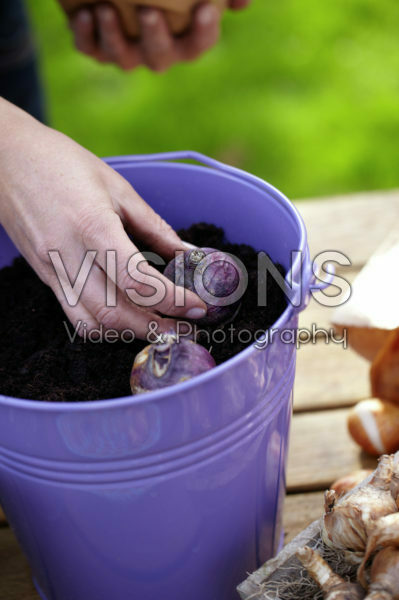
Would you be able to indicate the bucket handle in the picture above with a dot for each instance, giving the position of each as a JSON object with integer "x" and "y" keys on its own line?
{"x": 310, "y": 282}
{"x": 179, "y": 155}
{"x": 313, "y": 284}
{"x": 318, "y": 285}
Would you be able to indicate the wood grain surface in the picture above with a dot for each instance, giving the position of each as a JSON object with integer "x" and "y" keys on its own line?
{"x": 355, "y": 225}
{"x": 15, "y": 579}
{"x": 321, "y": 451}
{"x": 300, "y": 510}
{"x": 329, "y": 376}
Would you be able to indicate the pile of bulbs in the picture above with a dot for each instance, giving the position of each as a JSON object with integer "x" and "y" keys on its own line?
{"x": 374, "y": 423}
{"x": 363, "y": 525}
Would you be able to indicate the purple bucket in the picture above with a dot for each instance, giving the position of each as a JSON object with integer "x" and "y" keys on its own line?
{"x": 175, "y": 494}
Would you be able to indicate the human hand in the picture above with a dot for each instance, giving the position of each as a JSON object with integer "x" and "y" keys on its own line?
{"x": 55, "y": 195}
{"x": 98, "y": 33}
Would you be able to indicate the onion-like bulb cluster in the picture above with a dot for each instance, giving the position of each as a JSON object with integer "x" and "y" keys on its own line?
{"x": 384, "y": 575}
{"x": 348, "y": 523}
{"x": 364, "y": 526}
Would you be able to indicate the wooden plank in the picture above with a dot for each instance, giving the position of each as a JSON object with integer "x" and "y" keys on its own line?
{"x": 355, "y": 225}
{"x": 321, "y": 451}
{"x": 299, "y": 511}
{"x": 329, "y": 376}
{"x": 15, "y": 580}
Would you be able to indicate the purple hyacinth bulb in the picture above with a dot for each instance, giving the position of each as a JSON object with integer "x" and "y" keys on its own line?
{"x": 167, "y": 363}
{"x": 214, "y": 276}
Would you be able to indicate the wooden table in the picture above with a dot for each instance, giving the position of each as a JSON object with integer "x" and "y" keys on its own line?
{"x": 329, "y": 380}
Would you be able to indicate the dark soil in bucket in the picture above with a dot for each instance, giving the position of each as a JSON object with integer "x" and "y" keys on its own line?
{"x": 39, "y": 362}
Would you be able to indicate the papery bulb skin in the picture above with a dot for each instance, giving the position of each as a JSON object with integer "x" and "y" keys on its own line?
{"x": 332, "y": 585}
{"x": 169, "y": 362}
{"x": 384, "y": 575}
{"x": 208, "y": 271}
{"x": 384, "y": 372}
{"x": 395, "y": 479}
{"x": 348, "y": 521}
{"x": 380, "y": 595}
{"x": 344, "y": 484}
{"x": 383, "y": 533}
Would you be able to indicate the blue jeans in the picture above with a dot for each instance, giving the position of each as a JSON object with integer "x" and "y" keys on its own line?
{"x": 19, "y": 77}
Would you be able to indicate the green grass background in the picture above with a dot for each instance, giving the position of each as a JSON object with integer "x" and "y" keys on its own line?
{"x": 304, "y": 93}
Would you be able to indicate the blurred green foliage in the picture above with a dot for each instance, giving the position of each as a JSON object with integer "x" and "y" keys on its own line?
{"x": 304, "y": 93}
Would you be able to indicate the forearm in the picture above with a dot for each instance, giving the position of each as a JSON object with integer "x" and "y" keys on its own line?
{"x": 12, "y": 123}
{"x": 16, "y": 131}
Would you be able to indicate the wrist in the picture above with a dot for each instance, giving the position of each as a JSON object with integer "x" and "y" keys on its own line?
{"x": 15, "y": 125}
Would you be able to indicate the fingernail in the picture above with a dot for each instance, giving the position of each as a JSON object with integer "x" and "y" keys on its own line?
{"x": 207, "y": 15}
{"x": 149, "y": 16}
{"x": 196, "y": 313}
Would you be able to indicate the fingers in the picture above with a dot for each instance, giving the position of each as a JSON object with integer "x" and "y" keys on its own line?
{"x": 117, "y": 314}
{"x": 79, "y": 316}
{"x": 204, "y": 32}
{"x": 114, "y": 44}
{"x": 156, "y": 41}
{"x": 99, "y": 33}
{"x": 83, "y": 28}
{"x": 140, "y": 283}
{"x": 160, "y": 49}
{"x": 92, "y": 312}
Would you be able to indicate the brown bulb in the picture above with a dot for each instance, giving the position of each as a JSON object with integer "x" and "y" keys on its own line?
{"x": 384, "y": 575}
{"x": 395, "y": 480}
{"x": 346, "y": 483}
{"x": 384, "y": 372}
{"x": 383, "y": 533}
{"x": 374, "y": 425}
{"x": 348, "y": 520}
